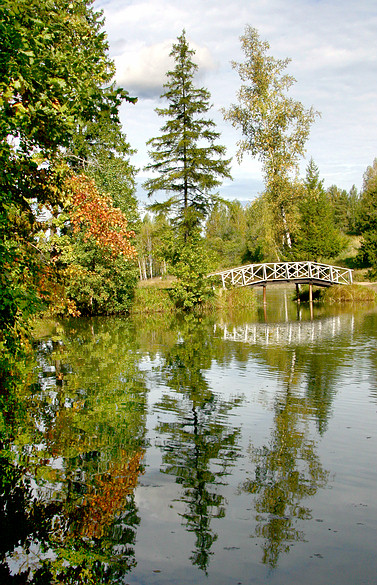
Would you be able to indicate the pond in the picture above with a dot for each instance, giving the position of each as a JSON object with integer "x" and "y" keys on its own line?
{"x": 220, "y": 450}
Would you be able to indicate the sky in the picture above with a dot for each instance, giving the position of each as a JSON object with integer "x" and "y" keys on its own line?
{"x": 332, "y": 45}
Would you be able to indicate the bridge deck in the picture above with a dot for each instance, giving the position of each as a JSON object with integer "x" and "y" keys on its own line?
{"x": 282, "y": 272}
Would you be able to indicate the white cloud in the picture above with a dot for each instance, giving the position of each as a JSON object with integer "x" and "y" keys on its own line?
{"x": 142, "y": 69}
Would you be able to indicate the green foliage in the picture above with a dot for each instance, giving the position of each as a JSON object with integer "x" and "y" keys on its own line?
{"x": 94, "y": 271}
{"x": 99, "y": 149}
{"x": 150, "y": 300}
{"x": 345, "y": 207}
{"x": 54, "y": 64}
{"x": 275, "y": 127}
{"x": 317, "y": 236}
{"x": 22, "y": 271}
{"x": 100, "y": 285}
{"x": 190, "y": 265}
{"x": 115, "y": 176}
{"x": 367, "y": 255}
{"x": 54, "y": 84}
{"x": 239, "y": 235}
{"x": 367, "y": 220}
{"x": 225, "y": 234}
{"x": 257, "y": 230}
{"x": 186, "y": 157}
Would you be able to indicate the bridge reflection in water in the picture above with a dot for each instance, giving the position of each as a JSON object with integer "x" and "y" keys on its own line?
{"x": 290, "y": 333}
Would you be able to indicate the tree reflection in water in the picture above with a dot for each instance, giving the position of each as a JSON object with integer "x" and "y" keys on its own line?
{"x": 68, "y": 477}
{"x": 287, "y": 472}
{"x": 202, "y": 446}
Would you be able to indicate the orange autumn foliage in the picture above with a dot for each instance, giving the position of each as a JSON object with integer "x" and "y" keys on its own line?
{"x": 95, "y": 214}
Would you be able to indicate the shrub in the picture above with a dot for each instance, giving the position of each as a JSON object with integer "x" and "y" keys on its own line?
{"x": 348, "y": 293}
{"x": 152, "y": 300}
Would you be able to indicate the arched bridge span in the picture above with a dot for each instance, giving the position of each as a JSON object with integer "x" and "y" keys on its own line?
{"x": 312, "y": 273}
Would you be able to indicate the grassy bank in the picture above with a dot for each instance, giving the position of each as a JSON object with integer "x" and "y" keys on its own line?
{"x": 234, "y": 299}
{"x": 348, "y": 293}
{"x": 153, "y": 297}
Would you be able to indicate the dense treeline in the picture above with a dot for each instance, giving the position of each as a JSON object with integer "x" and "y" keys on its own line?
{"x": 328, "y": 225}
{"x": 71, "y": 239}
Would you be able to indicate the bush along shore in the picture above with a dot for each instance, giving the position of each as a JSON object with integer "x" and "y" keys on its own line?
{"x": 361, "y": 293}
{"x": 157, "y": 298}
{"x": 154, "y": 296}
{"x": 348, "y": 293}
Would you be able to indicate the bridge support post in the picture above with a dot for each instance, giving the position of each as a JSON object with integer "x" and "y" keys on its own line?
{"x": 264, "y": 295}
{"x": 311, "y": 301}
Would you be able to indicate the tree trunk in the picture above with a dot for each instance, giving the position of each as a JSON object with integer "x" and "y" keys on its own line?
{"x": 286, "y": 228}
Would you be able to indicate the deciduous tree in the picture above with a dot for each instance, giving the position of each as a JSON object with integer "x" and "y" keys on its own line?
{"x": 226, "y": 230}
{"x": 274, "y": 126}
{"x": 55, "y": 77}
{"x": 99, "y": 149}
{"x": 92, "y": 252}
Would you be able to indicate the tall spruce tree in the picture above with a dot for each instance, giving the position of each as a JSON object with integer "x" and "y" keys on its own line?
{"x": 188, "y": 161}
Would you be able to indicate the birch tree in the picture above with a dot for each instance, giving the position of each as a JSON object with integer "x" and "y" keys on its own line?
{"x": 274, "y": 126}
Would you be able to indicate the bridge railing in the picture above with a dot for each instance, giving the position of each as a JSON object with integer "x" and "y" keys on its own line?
{"x": 254, "y": 274}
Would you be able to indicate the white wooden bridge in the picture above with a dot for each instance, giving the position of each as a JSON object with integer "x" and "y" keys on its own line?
{"x": 312, "y": 273}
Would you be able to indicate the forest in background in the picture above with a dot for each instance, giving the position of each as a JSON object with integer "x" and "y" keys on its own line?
{"x": 72, "y": 240}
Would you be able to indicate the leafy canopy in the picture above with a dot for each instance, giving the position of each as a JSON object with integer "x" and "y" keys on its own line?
{"x": 274, "y": 126}
{"x": 55, "y": 83}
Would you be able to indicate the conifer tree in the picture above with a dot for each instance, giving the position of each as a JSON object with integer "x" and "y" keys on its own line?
{"x": 367, "y": 220}
{"x": 186, "y": 157}
{"x": 317, "y": 237}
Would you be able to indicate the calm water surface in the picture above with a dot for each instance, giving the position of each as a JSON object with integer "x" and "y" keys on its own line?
{"x": 223, "y": 450}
